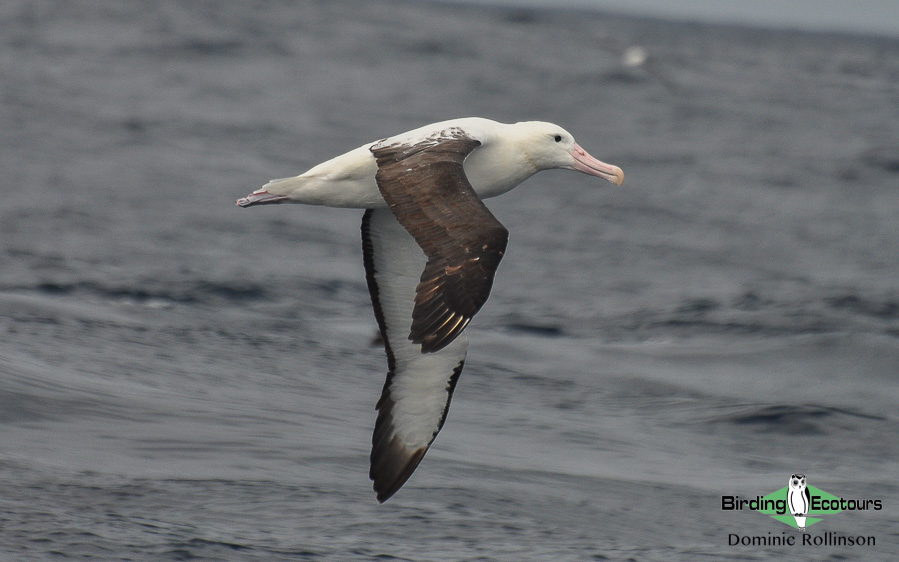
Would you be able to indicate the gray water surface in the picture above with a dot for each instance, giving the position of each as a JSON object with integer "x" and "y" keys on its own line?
{"x": 183, "y": 379}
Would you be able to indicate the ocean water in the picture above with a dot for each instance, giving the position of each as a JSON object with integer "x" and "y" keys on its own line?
{"x": 183, "y": 379}
{"x": 879, "y": 17}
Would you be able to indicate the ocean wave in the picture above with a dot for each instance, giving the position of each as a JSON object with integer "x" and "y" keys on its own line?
{"x": 198, "y": 291}
{"x": 795, "y": 419}
{"x": 754, "y": 314}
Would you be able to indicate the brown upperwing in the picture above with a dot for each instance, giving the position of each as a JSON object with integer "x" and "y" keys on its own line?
{"x": 424, "y": 184}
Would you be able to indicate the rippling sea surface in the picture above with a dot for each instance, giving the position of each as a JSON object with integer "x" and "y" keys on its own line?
{"x": 183, "y": 379}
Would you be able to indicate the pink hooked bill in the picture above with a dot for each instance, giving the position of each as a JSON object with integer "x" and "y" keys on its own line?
{"x": 261, "y": 198}
{"x": 583, "y": 162}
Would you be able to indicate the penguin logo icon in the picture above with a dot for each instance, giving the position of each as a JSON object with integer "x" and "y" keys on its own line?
{"x": 798, "y": 499}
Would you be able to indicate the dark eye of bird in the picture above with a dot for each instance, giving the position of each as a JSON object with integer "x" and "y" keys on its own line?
{"x": 558, "y": 138}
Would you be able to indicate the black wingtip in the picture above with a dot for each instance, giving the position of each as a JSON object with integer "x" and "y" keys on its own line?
{"x": 391, "y": 466}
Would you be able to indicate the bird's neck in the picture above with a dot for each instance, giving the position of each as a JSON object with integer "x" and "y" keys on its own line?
{"x": 496, "y": 168}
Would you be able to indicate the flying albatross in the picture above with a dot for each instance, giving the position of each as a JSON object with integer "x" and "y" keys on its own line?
{"x": 430, "y": 248}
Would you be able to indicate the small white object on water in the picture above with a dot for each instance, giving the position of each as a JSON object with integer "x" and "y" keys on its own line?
{"x": 634, "y": 56}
